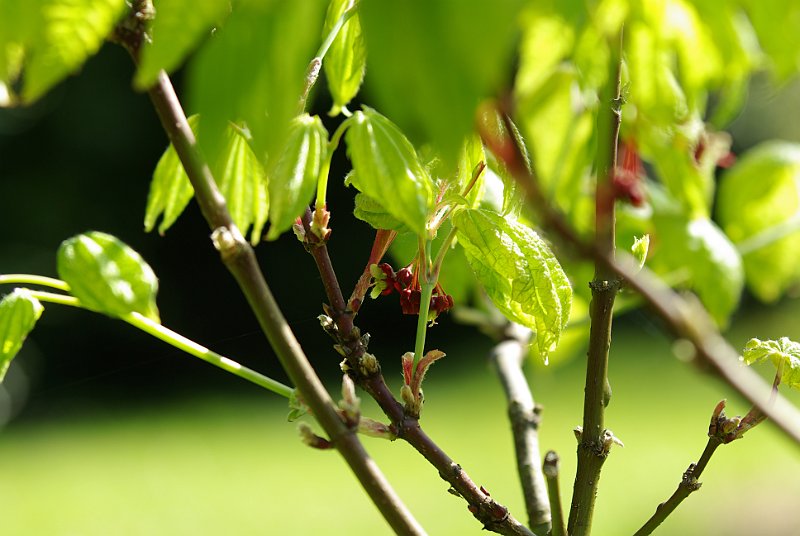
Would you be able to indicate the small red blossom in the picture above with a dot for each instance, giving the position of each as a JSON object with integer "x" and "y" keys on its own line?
{"x": 407, "y": 286}
{"x": 628, "y": 183}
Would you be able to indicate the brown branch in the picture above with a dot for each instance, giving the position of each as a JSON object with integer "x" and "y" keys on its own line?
{"x": 684, "y": 319}
{"x": 365, "y": 371}
{"x": 593, "y": 447}
{"x": 239, "y": 258}
{"x": 550, "y": 468}
{"x": 524, "y": 416}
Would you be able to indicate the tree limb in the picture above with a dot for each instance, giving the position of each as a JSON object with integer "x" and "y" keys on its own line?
{"x": 366, "y": 372}
{"x": 239, "y": 258}
{"x": 524, "y": 415}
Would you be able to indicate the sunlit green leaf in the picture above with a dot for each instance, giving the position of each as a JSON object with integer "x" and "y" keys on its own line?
{"x": 346, "y": 60}
{"x": 253, "y": 70}
{"x": 387, "y": 168}
{"x": 519, "y": 273}
{"x": 170, "y": 189}
{"x": 557, "y": 126}
{"x": 108, "y": 276}
{"x": 19, "y": 312}
{"x": 67, "y": 33}
{"x": 239, "y": 175}
{"x": 784, "y": 354}
{"x": 699, "y": 251}
{"x": 470, "y": 157}
{"x": 776, "y": 23}
{"x": 759, "y": 208}
{"x": 178, "y": 27}
{"x": 243, "y": 183}
{"x": 454, "y": 53}
{"x": 294, "y": 177}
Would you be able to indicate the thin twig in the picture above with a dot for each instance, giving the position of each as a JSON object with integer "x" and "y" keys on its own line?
{"x": 493, "y": 515}
{"x": 684, "y": 319}
{"x": 550, "y": 468}
{"x": 593, "y": 448}
{"x": 240, "y": 259}
{"x": 524, "y": 415}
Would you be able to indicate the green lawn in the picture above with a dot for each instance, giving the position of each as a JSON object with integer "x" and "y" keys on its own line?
{"x": 217, "y": 466}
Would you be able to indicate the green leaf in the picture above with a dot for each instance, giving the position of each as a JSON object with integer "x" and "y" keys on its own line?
{"x": 519, "y": 273}
{"x": 107, "y": 276}
{"x": 784, "y": 354}
{"x": 253, "y": 71}
{"x": 758, "y": 206}
{"x": 178, "y": 27}
{"x": 243, "y": 183}
{"x": 387, "y": 168}
{"x": 19, "y": 312}
{"x": 294, "y": 177}
{"x": 67, "y": 33}
{"x": 346, "y": 60}
{"x": 700, "y": 251}
{"x": 239, "y": 175}
{"x": 372, "y": 212}
{"x": 453, "y": 55}
{"x": 472, "y": 154}
{"x": 775, "y": 23}
{"x": 170, "y": 189}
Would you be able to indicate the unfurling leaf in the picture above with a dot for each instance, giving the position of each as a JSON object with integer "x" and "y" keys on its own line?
{"x": 294, "y": 177}
{"x": 784, "y": 354}
{"x": 19, "y": 312}
{"x": 346, "y": 60}
{"x": 170, "y": 189}
{"x": 239, "y": 175}
{"x": 519, "y": 273}
{"x": 639, "y": 249}
{"x": 759, "y": 208}
{"x": 387, "y": 168}
{"x": 372, "y": 212}
{"x": 108, "y": 276}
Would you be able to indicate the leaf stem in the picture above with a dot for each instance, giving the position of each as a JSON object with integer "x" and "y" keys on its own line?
{"x": 322, "y": 180}
{"x": 427, "y": 283}
{"x": 29, "y": 279}
{"x": 312, "y": 73}
{"x": 181, "y": 343}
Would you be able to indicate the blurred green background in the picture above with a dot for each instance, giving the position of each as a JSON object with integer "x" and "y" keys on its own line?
{"x": 106, "y": 431}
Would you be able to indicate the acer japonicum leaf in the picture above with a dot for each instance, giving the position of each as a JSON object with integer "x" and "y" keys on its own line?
{"x": 19, "y": 312}
{"x": 784, "y": 354}
{"x": 107, "y": 276}
{"x": 758, "y": 196}
{"x": 239, "y": 175}
{"x": 370, "y": 211}
{"x": 519, "y": 273}
{"x": 294, "y": 176}
{"x": 346, "y": 59}
{"x": 387, "y": 168}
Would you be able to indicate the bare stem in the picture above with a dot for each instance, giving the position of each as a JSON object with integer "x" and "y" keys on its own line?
{"x": 239, "y": 258}
{"x": 593, "y": 449}
{"x": 682, "y": 318}
{"x": 524, "y": 416}
{"x": 493, "y": 515}
{"x": 551, "y": 470}
{"x": 689, "y": 484}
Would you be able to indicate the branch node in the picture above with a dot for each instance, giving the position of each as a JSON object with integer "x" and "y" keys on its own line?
{"x": 228, "y": 240}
